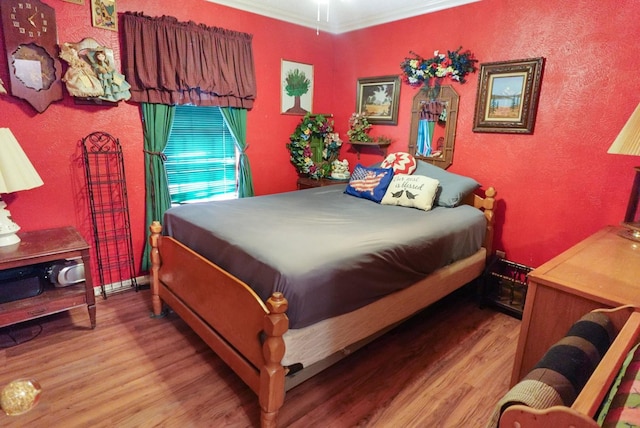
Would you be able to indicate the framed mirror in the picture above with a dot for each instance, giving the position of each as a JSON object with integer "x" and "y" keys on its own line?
{"x": 433, "y": 126}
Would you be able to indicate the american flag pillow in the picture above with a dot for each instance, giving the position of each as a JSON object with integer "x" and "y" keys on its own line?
{"x": 369, "y": 183}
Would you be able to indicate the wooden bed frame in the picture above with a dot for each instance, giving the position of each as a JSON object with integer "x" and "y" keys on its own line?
{"x": 228, "y": 315}
{"x": 582, "y": 413}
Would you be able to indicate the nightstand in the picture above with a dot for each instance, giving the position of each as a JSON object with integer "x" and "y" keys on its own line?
{"x": 308, "y": 183}
{"x": 44, "y": 246}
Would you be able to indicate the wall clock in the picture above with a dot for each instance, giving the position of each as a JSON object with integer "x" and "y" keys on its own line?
{"x": 31, "y": 41}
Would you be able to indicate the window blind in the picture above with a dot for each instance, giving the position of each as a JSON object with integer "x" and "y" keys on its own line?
{"x": 201, "y": 156}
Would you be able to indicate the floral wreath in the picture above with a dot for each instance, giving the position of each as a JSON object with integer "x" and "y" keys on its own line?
{"x": 313, "y": 146}
{"x": 455, "y": 64}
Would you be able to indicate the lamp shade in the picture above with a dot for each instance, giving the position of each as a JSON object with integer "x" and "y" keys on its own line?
{"x": 16, "y": 171}
{"x": 628, "y": 140}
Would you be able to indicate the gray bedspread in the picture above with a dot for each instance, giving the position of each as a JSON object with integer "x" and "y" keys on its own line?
{"x": 327, "y": 252}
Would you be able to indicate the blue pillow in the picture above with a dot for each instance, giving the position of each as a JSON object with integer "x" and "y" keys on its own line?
{"x": 369, "y": 183}
{"x": 453, "y": 187}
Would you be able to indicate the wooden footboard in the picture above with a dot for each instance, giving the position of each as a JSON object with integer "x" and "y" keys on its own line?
{"x": 244, "y": 332}
{"x": 230, "y": 317}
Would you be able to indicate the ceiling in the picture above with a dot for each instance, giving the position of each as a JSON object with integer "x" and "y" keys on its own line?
{"x": 340, "y": 16}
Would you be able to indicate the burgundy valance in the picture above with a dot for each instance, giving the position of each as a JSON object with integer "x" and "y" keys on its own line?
{"x": 171, "y": 62}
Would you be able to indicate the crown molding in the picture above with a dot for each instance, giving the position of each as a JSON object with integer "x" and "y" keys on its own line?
{"x": 344, "y": 15}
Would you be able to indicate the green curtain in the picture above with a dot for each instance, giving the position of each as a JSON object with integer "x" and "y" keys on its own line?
{"x": 157, "y": 120}
{"x": 236, "y": 119}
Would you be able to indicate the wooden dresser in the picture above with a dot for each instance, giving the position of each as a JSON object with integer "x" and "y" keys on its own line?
{"x": 601, "y": 271}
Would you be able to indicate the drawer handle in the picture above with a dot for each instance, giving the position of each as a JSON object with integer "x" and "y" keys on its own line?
{"x": 37, "y": 311}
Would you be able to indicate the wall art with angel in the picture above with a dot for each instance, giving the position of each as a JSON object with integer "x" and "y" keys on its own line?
{"x": 91, "y": 72}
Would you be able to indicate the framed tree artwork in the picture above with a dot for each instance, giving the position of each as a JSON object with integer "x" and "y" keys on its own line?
{"x": 296, "y": 88}
{"x": 377, "y": 98}
{"x": 507, "y": 98}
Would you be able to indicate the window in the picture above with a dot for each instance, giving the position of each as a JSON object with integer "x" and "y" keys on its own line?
{"x": 201, "y": 156}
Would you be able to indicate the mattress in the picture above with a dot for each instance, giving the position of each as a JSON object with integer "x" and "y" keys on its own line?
{"x": 329, "y": 253}
{"x": 342, "y": 334}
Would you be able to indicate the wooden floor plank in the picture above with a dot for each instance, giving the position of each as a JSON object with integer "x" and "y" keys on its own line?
{"x": 445, "y": 367}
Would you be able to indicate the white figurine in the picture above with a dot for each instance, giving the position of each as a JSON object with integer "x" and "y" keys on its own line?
{"x": 79, "y": 78}
{"x": 340, "y": 169}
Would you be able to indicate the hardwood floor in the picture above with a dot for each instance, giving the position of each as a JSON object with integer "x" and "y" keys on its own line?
{"x": 446, "y": 367}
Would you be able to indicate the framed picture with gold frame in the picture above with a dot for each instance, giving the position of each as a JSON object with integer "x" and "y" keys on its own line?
{"x": 103, "y": 14}
{"x": 377, "y": 98}
{"x": 507, "y": 97}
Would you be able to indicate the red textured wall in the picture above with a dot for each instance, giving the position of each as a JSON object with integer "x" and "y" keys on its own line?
{"x": 558, "y": 185}
{"x": 51, "y": 139}
{"x": 555, "y": 187}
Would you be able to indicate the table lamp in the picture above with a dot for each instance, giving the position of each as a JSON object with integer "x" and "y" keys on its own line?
{"x": 16, "y": 173}
{"x": 628, "y": 143}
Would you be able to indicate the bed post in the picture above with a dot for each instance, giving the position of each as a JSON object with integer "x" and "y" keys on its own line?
{"x": 488, "y": 204}
{"x": 271, "y": 395}
{"x": 155, "y": 229}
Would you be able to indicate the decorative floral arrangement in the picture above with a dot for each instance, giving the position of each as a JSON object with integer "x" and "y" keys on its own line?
{"x": 455, "y": 64}
{"x": 313, "y": 146}
{"x": 359, "y": 128}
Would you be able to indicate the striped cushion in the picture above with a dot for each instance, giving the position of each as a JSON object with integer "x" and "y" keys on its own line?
{"x": 569, "y": 363}
{"x": 563, "y": 371}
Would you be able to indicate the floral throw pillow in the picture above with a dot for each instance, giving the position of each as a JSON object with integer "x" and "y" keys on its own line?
{"x": 401, "y": 162}
{"x": 369, "y": 183}
{"x": 413, "y": 191}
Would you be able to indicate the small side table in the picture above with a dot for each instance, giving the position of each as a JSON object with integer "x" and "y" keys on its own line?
{"x": 308, "y": 183}
{"x": 44, "y": 246}
{"x": 504, "y": 286}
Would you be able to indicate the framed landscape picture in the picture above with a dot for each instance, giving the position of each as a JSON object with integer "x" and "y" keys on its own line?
{"x": 296, "y": 88}
{"x": 377, "y": 98}
{"x": 507, "y": 97}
